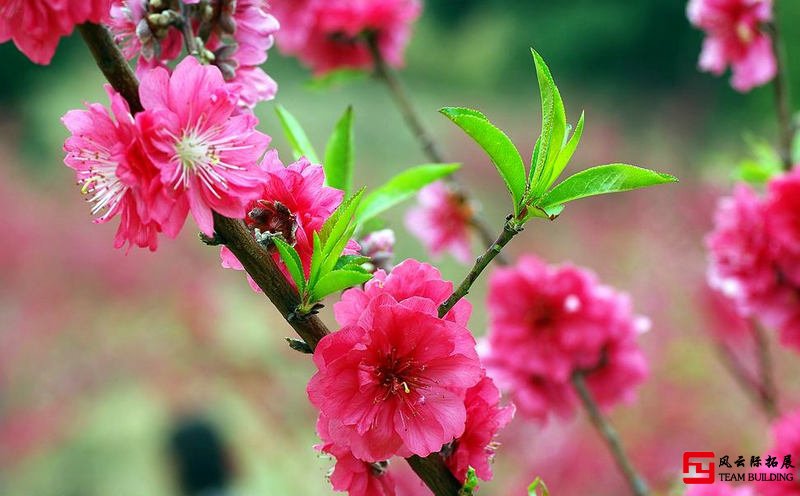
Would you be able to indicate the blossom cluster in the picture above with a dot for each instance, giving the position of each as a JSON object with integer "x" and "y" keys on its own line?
{"x": 397, "y": 380}
{"x": 548, "y": 323}
{"x": 190, "y": 150}
{"x": 328, "y": 35}
{"x": 233, "y": 35}
{"x": 293, "y": 203}
{"x": 754, "y": 253}
{"x": 735, "y": 36}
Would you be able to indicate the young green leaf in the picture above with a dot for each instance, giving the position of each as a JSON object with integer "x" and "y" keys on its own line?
{"x": 611, "y": 178}
{"x": 345, "y": 210}
{"x": 338, "y": 280}
{"x": 400, "y": 188}
{"x": 497, "y": 145}
{"x": 291, "y": 258}
{"x": 316, "y": 261}
{"x": 470, "y": 483}
{"x": 350, "y": 261}
{"x": 564, "y": 156}
{"x": 554, "y": 120}
{"x": 542, "y": 151}
{"x": 339, "y": 154}
{"x": 298, "y": 140}
{"x": 536, "y": 485}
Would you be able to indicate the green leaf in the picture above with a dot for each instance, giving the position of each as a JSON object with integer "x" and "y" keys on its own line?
{"x": 298, "y": 140}
{"x": 316, "y": 261}
{"x": 401, "y": 187}
{"x": 549, "y": 213}
{"x": 536, "y": 485}
{"x": 554, "y": 123}
{"x": 344, "y": 211}
{"x": 754, "y": 172}
{"x": 611, "y": 178}
{"x": 334, "y": 250}
{"x": 335, "y": 78}
{"x": 539, "y": 167}
{"x": 339, "y": 154}
{"x": 338, "y": 280}
{"x": 350, "y": 261}
{"x": 291, "y": 258}
{"x": 497, "y": 145}
{"x": 470, "y": 483}
{"x": 564, "y": 155}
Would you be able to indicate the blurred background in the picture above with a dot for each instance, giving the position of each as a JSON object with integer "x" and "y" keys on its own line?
{"x": 113, "y": 363}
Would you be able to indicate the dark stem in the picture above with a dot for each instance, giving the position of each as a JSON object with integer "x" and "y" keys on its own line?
{"x": 435, "y": 473}
{"x": 749, "y": 384}
{"x": 510, "y": 229}
{"x": 783, "y": 102}
{"x": 767, "y": 391}
{"x": 112, "y": 63}
{"x": 423, "y": 137}
{"x": 255, "y": 259}
{"x": 610, "y": 436}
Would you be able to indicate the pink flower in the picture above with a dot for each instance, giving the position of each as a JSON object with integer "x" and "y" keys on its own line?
{"x": 110, "y": 168}
{"x": 734, "y": 36}
{"x": 392, "y": 381}
{"x": 136, "y": 35}
{"x": 293, "y": 202}
{"x": 379, "y": 247}
{"x": 328, "y": 35}
{"x": 409, "y": 281}
{"x": 36, "y": 26}
{"x": 442, "y": 221}
{"x": 785, "y": 441}
{"x": 475, "y": 448}
{"x": 753, "y": 258}
{"x": 718, "y": 489}
{"x": 356, "y": 477}
{"x": 206, "y": 151}
{"x": 549, "y": 322}
{"x": 240, "y": 58}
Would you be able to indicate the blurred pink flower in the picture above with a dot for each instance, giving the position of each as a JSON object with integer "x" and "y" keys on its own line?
{"x": 330, "y": 34}
{"x": 36, "y": 26}
{"x": 718, "y": 489}
{"x": 104, "y": 151}
{"x": 723, "y": 320}
{"x": 392, "y": 381}
{"x": 785, "y": 441}
{"x": 548, "y": 322}
{"x": 379, "y": 247}
{"x": 476, "y": 447}
{"x": 753, "y": 257}
{"x": 734, "y": 36}
{"x": 207, "y": 152}
{"x": 441, "y": 221}
{"x": 294, "y": 203}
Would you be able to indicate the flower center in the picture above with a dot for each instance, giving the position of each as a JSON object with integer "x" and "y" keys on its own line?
{"x": 744, "y": 32}
{"x": 101, "y": 184}
{"x": 399, "y": 376}
{"x": 273, "y": 217}
{"x": 198, "y": 153}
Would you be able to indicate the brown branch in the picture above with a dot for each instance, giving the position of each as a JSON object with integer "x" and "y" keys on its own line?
{"x": 255, "y": 259}
{"x": 384, "y": 73}
{"x": 767, "y": 391}
{"x": 783, "y": 102}
{"x": 610, "y": 436}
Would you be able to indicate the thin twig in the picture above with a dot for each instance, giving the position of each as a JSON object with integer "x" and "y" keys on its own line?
{"x": 610, "y": 436}
{"x": 510, "y": 229}
{"x": 783, "y": 102}
{"x": 255, "y": 259}
{"x": 767, "y": 392}
{"x": 400, "y": 96}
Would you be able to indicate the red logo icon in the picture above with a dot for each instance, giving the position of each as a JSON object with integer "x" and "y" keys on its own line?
{"x": 698, "y": 467}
